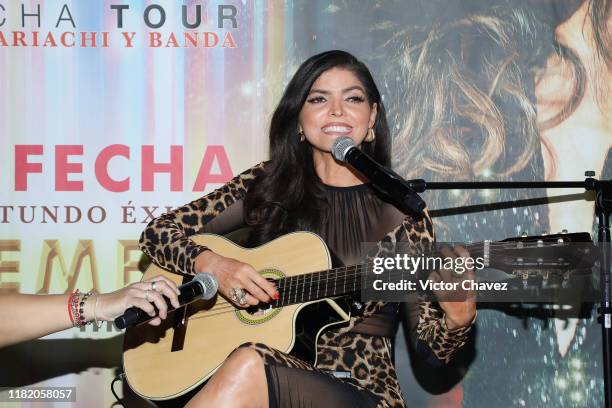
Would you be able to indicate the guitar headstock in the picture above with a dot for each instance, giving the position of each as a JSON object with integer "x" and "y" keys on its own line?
{"x": 560, "y": 238}
{"x": 545, "y": 255}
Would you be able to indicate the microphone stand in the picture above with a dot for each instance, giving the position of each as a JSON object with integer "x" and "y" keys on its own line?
{"x": 603, "y": 209}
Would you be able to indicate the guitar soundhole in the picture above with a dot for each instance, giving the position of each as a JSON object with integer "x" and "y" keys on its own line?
{"x": 256, "y": 311}
{"x": 261, "y": 313}
{"x": 257, "y": 315}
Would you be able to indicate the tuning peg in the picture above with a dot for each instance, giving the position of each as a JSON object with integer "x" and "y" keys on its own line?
{"x": 544, "y": 233}
{"x": 540, "y": 243}
{"x": 589, "y": 173}
{"x": 524, "y": 234}
{"x": 545, "y": 279}
{"x": 565, "y": 283}
{"x": 564, "y": 231}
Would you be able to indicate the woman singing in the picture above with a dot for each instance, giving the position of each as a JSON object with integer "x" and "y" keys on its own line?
{"x": 302, "y": 187}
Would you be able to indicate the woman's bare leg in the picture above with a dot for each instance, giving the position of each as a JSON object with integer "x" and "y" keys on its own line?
{"x": 239, "y": 382}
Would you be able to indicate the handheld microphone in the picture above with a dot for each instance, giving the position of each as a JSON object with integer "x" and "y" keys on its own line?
{"x": 383, "y": 179}
{"x": 202, "y": 286}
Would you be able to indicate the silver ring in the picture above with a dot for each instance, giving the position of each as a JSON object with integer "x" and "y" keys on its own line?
{"x": 237, "y": 295}
{"x": 153, "y": 285}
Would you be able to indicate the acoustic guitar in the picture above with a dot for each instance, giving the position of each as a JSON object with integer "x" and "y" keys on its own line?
{"x": 169, "y": 360}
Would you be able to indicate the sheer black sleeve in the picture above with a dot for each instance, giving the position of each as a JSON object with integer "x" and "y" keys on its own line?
{"x": 166, "y": 239}
{"x": 432, "y": 340}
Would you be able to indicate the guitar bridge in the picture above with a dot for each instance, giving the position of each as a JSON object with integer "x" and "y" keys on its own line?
{"x": 180, "y": 326}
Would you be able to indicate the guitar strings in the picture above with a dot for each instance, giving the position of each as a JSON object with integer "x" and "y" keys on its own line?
{"x": 299, "y": 287}
{"x": 352, "y": 271}
{"x": 229, "y": 308}
{"x": 475, "y": 250}
{"x": 223, "y": 307}
{"x": 345, "y": 270}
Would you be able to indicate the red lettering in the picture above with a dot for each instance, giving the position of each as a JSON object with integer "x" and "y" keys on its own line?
{"x": 128, "y": 38}
{"x": 228, "y": 42}
{"x": 85, "y": 38}
{"x": 214, "y": 159}
{"x": 207, "y": 36}
{"x": 149, "y": 168}
{"x": 63, "y": 168}
{"x": 155, "y": 39}
{"x": 50, "y": 41}
{"x": 192, "y": 38}
{"x": 23, "y": 166}
{"x": 19, "y": 37}
{"x": 66, "y": 43}
{"x": 101, "y": 168}
{"x": 172, "y": 41}
{"x": 204, "y": 175}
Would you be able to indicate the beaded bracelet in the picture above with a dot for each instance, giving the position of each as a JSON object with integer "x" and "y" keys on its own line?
{"x": 73, "y": 310}
{"x": 82, "y": 321}
{"x": 76, "y": 305}
{"x": 71, "y": 298}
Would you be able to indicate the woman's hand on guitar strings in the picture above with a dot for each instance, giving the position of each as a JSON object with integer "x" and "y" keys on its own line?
{"x": 459, "y": 305}
{"x": 231, "y": 273}
{"x": 143, "y": 295}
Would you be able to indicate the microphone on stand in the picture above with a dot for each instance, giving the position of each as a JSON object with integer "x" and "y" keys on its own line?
{"x": 202, "y": 286}
{"x": 383, "y": 179}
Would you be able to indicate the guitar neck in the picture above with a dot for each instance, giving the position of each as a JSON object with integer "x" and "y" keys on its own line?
{"x": 319, "y": 285}
{"x": 339, "y": 281}
{"x": 526, "y": 255}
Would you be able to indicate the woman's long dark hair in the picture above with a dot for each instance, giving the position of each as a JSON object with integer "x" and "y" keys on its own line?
{"x": 290, "y": 195}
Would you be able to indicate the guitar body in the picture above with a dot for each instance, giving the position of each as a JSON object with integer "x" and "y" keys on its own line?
{"x": 169, "y": 360}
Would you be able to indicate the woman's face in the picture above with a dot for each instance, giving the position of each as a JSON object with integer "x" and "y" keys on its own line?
{"x": 336, "y": 106}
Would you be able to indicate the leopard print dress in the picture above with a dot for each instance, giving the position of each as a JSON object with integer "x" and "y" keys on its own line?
{"x": 366, "y": 360}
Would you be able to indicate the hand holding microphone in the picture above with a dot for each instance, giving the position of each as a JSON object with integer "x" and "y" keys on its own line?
{"x": 147, "y": 295}
{"x": 202, "y": 286}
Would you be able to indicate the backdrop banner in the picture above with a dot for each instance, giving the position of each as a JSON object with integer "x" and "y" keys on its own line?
{"x": 113, "y": 112}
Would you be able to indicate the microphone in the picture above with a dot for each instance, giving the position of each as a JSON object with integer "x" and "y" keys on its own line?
{"x": 383, "y": 179}
{"x": 202, "y": 286}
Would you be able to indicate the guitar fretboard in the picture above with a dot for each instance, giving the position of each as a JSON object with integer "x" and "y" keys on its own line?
{"x": 319, "y": 285}
{"x": 347, "y": 280}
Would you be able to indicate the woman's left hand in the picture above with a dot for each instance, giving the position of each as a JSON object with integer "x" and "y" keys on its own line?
{"x": 459, "y": 305}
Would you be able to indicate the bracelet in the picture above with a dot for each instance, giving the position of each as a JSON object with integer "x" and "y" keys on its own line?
{"x": 71, "y": 309}
{"x": 82, "y": 321}
{"x": 98, "y": 323}
{"x": 76, "y": 305}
